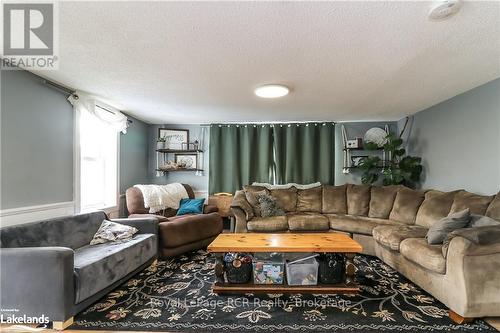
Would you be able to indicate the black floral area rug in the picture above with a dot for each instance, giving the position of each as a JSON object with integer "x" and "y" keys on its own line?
{"x": 175, "y": 295}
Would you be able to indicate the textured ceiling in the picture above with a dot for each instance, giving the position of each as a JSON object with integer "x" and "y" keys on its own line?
{"x": 198, "y": 62}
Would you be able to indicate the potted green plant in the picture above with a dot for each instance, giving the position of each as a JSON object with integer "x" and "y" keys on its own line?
{"x": 160, "y": 143}
{"x": 398, "y": 168}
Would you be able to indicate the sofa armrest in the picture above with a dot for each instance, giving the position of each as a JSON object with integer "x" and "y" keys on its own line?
{"x": 145, "y": 225}
{"x": 473, "y": 278}
{"x": 240, "y": 220}
{"x": 38, "y": 280}
{"x": 207, "y": 209}
{"x": 240, "y": 201}
{"x": 480, "y": 238}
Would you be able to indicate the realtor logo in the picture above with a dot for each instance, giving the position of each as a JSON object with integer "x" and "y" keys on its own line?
{"x": 29, "y": 31}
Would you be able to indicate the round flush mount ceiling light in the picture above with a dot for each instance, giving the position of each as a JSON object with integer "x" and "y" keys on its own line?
{"x": 444, "y": 9}
{"x": 272, "y": 91}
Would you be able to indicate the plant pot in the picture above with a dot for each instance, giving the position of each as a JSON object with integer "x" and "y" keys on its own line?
{"x": 160, "y": 145}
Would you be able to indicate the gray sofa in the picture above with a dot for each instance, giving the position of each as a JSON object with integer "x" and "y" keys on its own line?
{"x": 391, "y": 222}
{"x": 49, "y": 268}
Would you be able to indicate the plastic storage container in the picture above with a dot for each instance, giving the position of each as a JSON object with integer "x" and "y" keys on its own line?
{"x": 331, "y": 268}
{"x": 268, "y": 268}
{"x": 302, "y": 272}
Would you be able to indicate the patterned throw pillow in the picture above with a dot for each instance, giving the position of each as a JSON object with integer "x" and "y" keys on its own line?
{"x": 269, "y": 206}
{"x": 113, "y": 232}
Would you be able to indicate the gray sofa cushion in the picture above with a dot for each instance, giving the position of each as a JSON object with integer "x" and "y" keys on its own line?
{"x": 308, "y": 222}
{"x": 481, "y": 221}
{"x": 392, "y": 235}
{"x": 439, "y": 230}
{"x": 427, "y": 256}
{"x": 98, "y": 266}
{"x": 355, "y": 224}
{"x": 68, "y": 231}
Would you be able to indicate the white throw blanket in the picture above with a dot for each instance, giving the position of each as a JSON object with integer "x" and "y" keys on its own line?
{"x": 159, "y": 197}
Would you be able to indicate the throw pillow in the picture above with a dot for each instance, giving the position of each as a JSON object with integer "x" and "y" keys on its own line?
{"x": 252, "y": 198}
{"x": 113, "y": 232}
{"x": 269, "y": 206}
{"x": 482, "y": 221}
{"x": 439, "y": 230}
{"x": 191, "y": 206}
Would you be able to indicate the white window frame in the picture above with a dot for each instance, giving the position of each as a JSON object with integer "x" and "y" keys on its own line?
{"x": 110, "y": 210}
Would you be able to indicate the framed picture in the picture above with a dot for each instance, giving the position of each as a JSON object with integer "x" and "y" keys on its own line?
{"x": 174, "y": 138}
{"x": 186, "y": 161}
{"x": 356, "y": 160}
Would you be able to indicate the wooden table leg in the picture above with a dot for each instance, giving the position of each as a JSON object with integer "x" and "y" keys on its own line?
{"x": 350, "y": 268}
{"x": 458, "y": 319}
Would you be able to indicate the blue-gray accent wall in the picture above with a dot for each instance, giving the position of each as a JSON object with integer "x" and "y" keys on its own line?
{"x": 36, "y": 142}
{"x": 459, "y": 141}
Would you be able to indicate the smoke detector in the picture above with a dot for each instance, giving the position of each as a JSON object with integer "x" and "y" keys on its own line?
{"x": 444, "y": 9}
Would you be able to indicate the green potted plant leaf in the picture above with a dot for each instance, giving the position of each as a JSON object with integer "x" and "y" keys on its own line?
{"x": 396, "y": 169}
{"x": 160, "y": 143}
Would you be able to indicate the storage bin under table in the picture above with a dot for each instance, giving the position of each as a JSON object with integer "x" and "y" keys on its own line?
{"x": 285, "y": 243}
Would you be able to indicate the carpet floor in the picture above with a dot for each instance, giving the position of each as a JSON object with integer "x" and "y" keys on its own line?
{"x": 175, "y": 295}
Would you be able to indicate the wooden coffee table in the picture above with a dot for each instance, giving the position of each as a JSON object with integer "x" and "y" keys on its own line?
{"x": 286, "y": 242}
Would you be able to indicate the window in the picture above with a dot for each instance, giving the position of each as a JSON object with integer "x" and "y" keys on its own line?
{"x": 98, "y": 162}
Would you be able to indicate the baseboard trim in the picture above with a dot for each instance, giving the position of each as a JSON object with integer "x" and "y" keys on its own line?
{"x": 19, "y": 215}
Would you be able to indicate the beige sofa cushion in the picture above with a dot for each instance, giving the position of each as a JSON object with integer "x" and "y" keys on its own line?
{"x": 428, "y": 256}
{"x": 406, "y": 205}
{"x": 475, "y": 202}
{"x": 355, "y": 224}
{"x": 334, "y": 199}
{"x": 308, "y": 222}
{"x": 493, "y": 210}
{"x": 436, "y": 206}
{"x": 381, "y": 201}
{"x": 309, "y": 200}
{"x": 286, "y": 198}
{"x": 358, "y": 199}
{"x": 392, "y": 235}
{"x": 268, "y": 224}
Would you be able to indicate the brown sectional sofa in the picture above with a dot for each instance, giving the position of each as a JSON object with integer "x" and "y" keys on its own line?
{"x": 391, "y": 222}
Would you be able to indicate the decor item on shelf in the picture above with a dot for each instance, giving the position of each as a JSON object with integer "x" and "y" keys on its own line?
{"x": 186, "y": 161}
{"x": 169, "y": 165}
{"x": 160, "y": 143}
{"x": 356, "y": 143}
{"x": 397, "y": 169}
{"x": 356, "y": 160}
{"x": 174, "y": 138}
{"x": 377, "y": 136}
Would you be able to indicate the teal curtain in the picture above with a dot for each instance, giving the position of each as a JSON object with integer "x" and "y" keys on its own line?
{"x": 304, "y": 153}
{"x": 239, "y": 155}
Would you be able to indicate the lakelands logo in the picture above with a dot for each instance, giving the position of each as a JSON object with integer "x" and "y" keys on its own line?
{"x": 29, "y": 35}
{"x": 24, "y": 319}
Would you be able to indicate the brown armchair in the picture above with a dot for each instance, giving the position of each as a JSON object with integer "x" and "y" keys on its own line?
{"x": 178, "y": 234}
